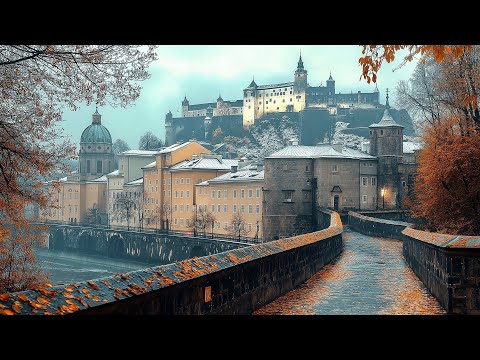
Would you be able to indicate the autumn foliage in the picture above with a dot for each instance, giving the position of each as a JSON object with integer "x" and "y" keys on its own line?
{"x": 447, "y": 185}
{"x": 374, "y": 55}
{"x": 36, "y": 83}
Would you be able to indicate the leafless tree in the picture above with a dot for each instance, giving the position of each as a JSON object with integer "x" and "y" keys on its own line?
{"x": 149, "y": 141}
{"x": 201, "y": 219}
{"x": 238, "y": 226}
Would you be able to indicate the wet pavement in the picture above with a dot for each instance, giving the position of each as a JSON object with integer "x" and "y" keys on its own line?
{"x": 369, "y": 277}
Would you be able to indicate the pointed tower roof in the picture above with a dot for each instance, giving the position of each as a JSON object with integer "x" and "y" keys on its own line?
{"x": 387, "y": 119}
{"x": 300, "y": 61}
{"x": 330, "y": 78}
{"x": 219, "y": 98}
{"x": 185, "y": 101}
{"x": 253, "y": 84}
{"x": 96, "y": 117}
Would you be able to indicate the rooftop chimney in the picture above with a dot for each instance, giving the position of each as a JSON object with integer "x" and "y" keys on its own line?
{"x": 234, "y": 168}
{"x": 293, "y": 142}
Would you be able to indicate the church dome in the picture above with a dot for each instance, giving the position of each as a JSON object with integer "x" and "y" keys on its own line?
{"x": 96, "y": 132}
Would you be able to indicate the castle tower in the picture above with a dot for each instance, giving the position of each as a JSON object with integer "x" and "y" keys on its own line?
{"x": 300, "y": 86}
{"x": 376, "y": 101}
{"x": 209, "y": 111}
{"x": 219, "y": 102}
{"x": 185, "y": 105}
{"x": 169, "y": 129}
{"x": 207, "y": 124}
{"x": 249, "y": 104}
{"x": 95, "y": 157}
{"x": 386, "y": 143}
{"x": 331, "y": 90}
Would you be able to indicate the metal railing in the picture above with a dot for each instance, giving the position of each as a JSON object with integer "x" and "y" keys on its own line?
{"x": 199, "y": 234}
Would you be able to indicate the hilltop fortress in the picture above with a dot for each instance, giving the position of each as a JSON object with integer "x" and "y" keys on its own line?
{"x": 296, "y": 99}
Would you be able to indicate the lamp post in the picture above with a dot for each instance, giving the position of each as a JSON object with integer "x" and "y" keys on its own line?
{"x": 383, "y": 198}
{"x": 256, "y": 234}
{"x": 213, "y": 223}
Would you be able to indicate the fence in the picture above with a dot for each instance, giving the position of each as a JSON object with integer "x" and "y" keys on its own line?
{"x": 200, "y": 234}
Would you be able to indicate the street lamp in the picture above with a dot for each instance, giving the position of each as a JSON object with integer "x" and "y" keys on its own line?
{"x": 256, "y": 234}
{"x": 383, "y": 198}
{"x": 213, "y": 223}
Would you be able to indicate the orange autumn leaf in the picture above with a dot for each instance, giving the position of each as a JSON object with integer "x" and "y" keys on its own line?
{"x": 43, "y": 301}
{"x": 22, "y": 297}
{"x": 4, "y": 297}
{"x": 124, "y": 276}
{"x": 96, "y": 298}
{"x": 93, "y": 285}
{"x": 6, "y": 312}
{"x": 69, "y": 288}
{"x": 68, "y": 295}
{"x": 17, "y": 307}
{"x": 48, "y": 293}
{"x": 85, "y": 290}
{"x": 35, "y": 305}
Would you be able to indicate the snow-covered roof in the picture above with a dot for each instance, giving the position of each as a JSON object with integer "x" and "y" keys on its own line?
{"x": 114, "y": 173}
{"x": 151, "y": 165}
{"x": 319, "y": 151}
{"x": 102, "y": 178}
{"x": 174, "y": 147}
{"x": 409, "y": 147}
{"x": 238, "y": 176}
{"x": 387, "y": 121}
{"x": 140, "y": 152}
{"x": 272, "y": 86}
{"x": 138, "y": 181}
{"x": 212, "y": 162}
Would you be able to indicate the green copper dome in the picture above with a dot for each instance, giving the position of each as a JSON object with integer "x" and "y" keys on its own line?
{"x": 96, "y": 132}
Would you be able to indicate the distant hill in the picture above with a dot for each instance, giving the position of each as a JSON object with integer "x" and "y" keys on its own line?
{"x": 272, "y": 131}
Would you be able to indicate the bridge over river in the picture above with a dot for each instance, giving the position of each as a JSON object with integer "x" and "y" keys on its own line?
{"x": 336, "y": 270}
{"x": 369, "y": 277}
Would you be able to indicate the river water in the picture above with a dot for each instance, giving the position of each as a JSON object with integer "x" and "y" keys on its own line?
{"x": 69, "y": 267}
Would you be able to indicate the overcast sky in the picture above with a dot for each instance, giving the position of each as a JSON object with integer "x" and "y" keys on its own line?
{"x": 203, "y": 71}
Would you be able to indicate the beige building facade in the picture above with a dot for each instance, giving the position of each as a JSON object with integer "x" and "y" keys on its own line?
{"x": 238, "y": 192}
{"x": 298, "y": 179}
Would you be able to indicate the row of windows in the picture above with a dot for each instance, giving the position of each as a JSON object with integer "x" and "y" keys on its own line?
{"x": 179, "y": 221}
{"x": 218, "y": 193}
{"x": 373, "y": 181}
{"x": 218, "y": 208}
{"x": 187, "y": 181}
{"x": 128, "y": 194}
{"x": 187, "y": 193}
{"x": 370, "y": 164}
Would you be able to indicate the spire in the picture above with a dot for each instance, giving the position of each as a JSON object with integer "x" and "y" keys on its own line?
{"x": 387, "y": 105}
{"x": 330, "y": 78}
{"x": 219, "y": 98}
{"x": 376, "y": 88}
{"x": 96, "y": 117}
{"x": 253, "y": 84}
{"x": 300, "y": 61}
{"x": 185, "y": 101}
